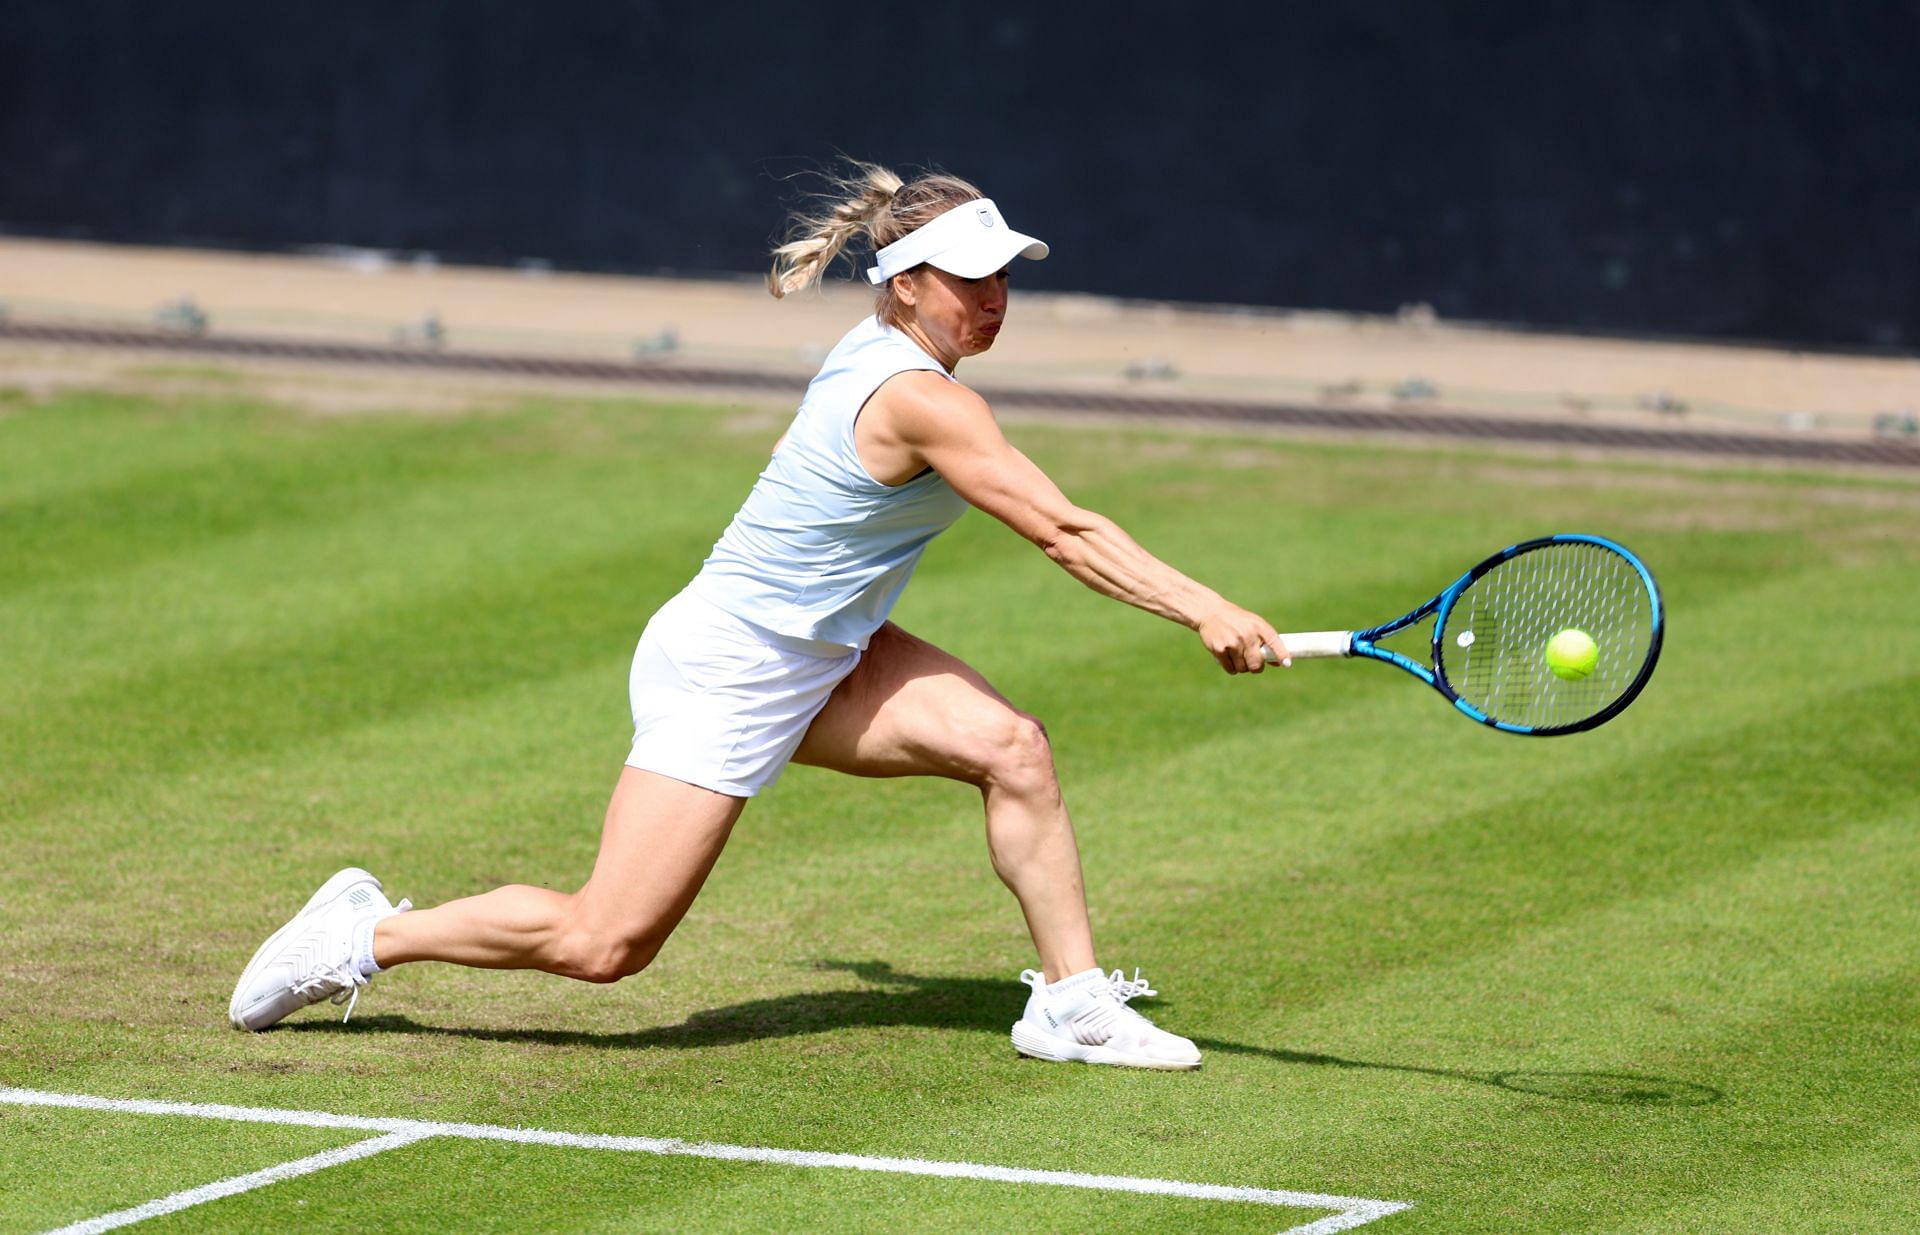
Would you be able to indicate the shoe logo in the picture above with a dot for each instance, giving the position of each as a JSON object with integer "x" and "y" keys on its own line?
{"x": 1048, "y": 1013}
{"x": 359, "y": 896}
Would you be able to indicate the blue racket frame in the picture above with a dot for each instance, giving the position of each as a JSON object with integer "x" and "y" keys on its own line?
{"x": 1363, "y": 642}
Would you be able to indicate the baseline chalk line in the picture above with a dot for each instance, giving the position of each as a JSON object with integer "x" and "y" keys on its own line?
{"x": 1350, "y": 1211}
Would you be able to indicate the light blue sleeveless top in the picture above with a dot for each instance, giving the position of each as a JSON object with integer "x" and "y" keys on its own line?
{"x": 821, "y": 550}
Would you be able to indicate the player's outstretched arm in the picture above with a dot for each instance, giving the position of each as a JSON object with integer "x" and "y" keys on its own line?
{"x": 953, "y": 431}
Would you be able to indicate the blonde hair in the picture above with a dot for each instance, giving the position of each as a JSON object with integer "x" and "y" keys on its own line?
{"x": 866, "y": 200}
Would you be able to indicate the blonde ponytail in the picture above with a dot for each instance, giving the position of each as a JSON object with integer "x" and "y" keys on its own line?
{"x": 815, "y": 239}
{"x": 866, "y": 201}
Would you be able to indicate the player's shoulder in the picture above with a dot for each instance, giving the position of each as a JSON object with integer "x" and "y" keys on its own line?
{"x": 930, "y": 399}
{"x": 934, "y": 384}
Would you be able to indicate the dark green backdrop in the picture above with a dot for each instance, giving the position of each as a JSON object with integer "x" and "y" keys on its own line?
{"x": 1743, "y": 169}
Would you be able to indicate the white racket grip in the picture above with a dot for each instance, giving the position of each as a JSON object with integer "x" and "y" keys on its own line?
{"x": 1314, "y": 645}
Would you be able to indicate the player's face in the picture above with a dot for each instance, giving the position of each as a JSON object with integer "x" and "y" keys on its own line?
{"x": 960, "y": 317}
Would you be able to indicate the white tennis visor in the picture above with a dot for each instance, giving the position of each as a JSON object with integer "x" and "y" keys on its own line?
{"x": 970, "y": 240}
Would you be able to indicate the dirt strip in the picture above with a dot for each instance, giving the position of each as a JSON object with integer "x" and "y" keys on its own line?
{"x": 1427, "y": 422}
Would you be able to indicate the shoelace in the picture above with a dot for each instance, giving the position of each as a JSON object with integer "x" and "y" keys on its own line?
{"x": 343, "y": 982}
{"x": 1123, "y": 989}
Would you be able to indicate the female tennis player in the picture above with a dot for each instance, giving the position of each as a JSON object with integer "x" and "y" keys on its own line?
{"x": 780, "y": 650}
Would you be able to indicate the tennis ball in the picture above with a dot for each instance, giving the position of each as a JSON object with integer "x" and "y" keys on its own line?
{"x": 1572, "y": 654}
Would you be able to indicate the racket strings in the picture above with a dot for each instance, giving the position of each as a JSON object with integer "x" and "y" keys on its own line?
{"x": 1493, "y": 648}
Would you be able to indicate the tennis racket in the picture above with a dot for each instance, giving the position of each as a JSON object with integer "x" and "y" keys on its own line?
{"x": 1491, "y": 627}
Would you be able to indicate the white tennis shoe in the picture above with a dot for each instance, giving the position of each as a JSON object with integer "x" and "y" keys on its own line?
{"x": 316, "y": 955}
{"x": 1085, "y": 1018}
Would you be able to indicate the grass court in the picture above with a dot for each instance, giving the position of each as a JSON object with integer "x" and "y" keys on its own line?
{"x": 1659, "y": 977}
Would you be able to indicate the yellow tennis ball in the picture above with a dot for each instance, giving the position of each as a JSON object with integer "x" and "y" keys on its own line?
{"x": 1572, "y": 654}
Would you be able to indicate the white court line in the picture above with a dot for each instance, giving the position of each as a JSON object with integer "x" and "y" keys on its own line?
{"x": 1351, "y": 1211}
{"x": 241, "y": 1183}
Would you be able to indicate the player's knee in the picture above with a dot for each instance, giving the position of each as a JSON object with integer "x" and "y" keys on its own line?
{"x": 617, "y": 961}
{"x": 600, "y": 958}
{"x": 1019, "y": 755}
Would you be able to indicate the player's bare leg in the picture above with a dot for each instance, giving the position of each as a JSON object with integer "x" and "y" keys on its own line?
{"x": 911, "y": 709}
{"x": 660, "y": 841}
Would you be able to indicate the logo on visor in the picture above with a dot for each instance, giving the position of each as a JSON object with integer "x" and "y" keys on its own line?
{"x": 986, "y": 215}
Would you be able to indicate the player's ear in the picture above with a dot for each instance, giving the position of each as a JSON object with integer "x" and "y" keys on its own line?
{"x": 903, "y": 289}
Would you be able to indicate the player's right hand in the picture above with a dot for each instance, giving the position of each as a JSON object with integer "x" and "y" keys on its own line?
{"x": 1238, "y": 638}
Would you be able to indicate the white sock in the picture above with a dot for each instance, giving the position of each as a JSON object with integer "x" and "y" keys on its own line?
{"x": 363, "y": 945}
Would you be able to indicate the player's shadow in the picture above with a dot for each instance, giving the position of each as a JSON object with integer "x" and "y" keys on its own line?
{"x": 893, "y": 998}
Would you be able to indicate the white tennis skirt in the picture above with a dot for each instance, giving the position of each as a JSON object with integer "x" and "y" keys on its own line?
{"x": 721, "y": 703}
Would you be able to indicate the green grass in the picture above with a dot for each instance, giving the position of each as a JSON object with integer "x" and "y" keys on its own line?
{"x": 1659, "y": 977}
